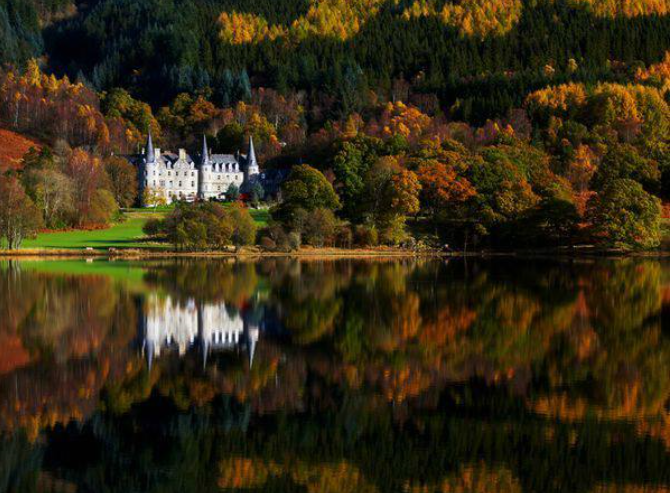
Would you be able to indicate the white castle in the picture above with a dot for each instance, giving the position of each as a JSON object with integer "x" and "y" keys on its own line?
{"x": 169, "y": 325}
{"x": 178, "y": 177}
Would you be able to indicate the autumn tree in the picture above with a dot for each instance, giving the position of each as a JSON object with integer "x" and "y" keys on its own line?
{"x": 623, "y": 215}
{"x": 88, "y": 176}
{"x": 19, "y": 217}
{"x": 320, "y": 227}
{"x": 244, "y": 227}
{"x": 122, "y": 178}
{"x": 392, "y": 194}
{"x": 623, "y": 161}
{"x": 308, "y": 189}
{"x": 50, "y": 189}
{"x": 350, "y": 165}
{"x": 441, "y": 186}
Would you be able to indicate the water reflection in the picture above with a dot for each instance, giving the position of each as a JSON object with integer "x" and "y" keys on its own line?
{"x": 280, "y": 375}
{"x": 168, "y": 324}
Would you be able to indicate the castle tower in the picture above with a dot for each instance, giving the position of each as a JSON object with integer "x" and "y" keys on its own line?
{"x": 205, "y": 169}
{"x": 148, "y": 167}
{"x": 150, "y": 153}
{"x": 252, "y": 169}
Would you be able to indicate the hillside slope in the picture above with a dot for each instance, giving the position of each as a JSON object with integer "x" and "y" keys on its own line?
{"x": 13, "y": 147}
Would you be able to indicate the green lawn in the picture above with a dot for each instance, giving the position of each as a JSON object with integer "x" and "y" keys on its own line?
{"x": 126, "y": 234}
{"x": 261, "y": 217}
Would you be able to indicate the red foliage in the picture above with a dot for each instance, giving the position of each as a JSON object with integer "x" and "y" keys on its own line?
{"x": 12, "y": 149}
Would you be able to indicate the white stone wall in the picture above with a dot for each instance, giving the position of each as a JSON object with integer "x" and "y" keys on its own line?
{"x": 179, "y": 180}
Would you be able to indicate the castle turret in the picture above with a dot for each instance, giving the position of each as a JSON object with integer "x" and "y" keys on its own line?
{"x": 205, "y": 169}
{"x": 252, "y": 169}
{"x": 147, "y": 168}
{"x": 150, "y": 154}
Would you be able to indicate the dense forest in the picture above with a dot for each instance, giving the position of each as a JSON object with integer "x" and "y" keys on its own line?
{"x": 462, "y": 119}
{"x": 480, "y": 58}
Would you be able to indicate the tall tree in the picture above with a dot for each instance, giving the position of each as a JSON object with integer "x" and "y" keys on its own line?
{"x": 19, "y": 217}
{"x": 122, "y": 177}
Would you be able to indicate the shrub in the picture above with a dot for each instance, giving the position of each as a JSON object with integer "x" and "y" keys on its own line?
{"x": 243, "y": 225}
{"x": 366, "y": 236}
{"x": 268, "y": 244}
{"x": 294, "y": 240}
{"x": 153, "y": 227}
{"x": 344, "y": 237}
{"x": 320, "y": 227}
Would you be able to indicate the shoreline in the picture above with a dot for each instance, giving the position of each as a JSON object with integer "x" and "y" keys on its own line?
{"x": 250, "y": 253}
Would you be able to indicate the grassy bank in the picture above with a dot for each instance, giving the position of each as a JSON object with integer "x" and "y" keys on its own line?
{"x": 126, "y": 234}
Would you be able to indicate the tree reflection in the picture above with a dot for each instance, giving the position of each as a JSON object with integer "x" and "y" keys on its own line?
{"x": 369, "y": 375}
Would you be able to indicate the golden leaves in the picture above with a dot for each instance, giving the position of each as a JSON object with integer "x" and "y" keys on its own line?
{"x": 339, "y": 19}
{"x": 471, "y": 17}
{"x": 625, "y": 8}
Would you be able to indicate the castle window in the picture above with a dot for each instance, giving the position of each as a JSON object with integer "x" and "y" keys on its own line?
{"x": 192, "y": 173}
{"x": 192, "y": 183}
{"x": 179, "y": 184}
{"x": 169, "y": 174}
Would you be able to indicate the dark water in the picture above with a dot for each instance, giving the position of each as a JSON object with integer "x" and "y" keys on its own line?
{"x": 511, "y": 375}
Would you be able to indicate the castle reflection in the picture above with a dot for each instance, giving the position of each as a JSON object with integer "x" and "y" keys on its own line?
{"x": 169, "y": 325}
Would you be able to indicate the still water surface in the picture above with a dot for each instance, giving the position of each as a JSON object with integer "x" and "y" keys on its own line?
{"x": 417, "y": 376}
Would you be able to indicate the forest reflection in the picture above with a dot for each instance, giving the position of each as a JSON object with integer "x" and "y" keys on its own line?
{"x": 351, "y": 375}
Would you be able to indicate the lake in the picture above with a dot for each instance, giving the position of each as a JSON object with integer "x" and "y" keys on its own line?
{"x": 382, "y": 375}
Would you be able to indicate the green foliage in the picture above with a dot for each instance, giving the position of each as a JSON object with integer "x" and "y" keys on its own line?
{"x": 625, "y": 216}
{"x": 118, "y": 103}
{"x": 308, "y": 189}
{"x": 230, "y": 136}
{"x": 233, "y": 193}
{"x": 625, "y": 162}
{"x": 207, "y": 226}
{"x": 350, "y": 165}
{"x": 320, "y": 228}
{"x": 244, "y": 226}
